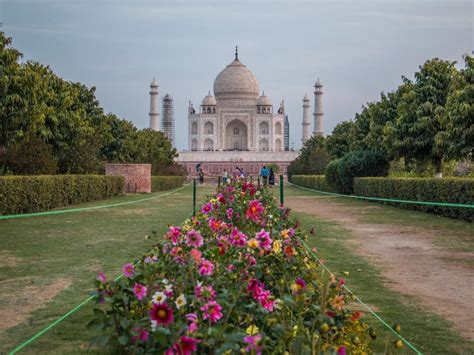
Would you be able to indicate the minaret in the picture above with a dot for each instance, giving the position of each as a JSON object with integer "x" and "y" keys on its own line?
{"x": 154, "y": 109}
{"x": 287, "y": 133}
{"x": 306, "y": 120}
{"x": 318, "y": 109}
{"x": 167, "y": 125}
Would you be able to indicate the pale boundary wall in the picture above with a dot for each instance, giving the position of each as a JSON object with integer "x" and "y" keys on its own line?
{"x": 137, "y": 176}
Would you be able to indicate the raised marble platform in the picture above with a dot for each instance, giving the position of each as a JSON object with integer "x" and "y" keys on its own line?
{"x": 214, "y": 162}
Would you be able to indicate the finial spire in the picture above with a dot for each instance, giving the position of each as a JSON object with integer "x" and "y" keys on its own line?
{"x": 236, "y": 53}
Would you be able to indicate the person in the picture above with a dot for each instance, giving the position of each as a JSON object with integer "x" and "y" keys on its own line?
{"x": 201, "y": 176}
{"x": 242, "y": 173}
{"x": 198, "y": 167}
{"x": 224, "y": 177}
{"x": 237, "y": 173}
{"x": 264, "y": 174}
{"x": 271, "y": 178}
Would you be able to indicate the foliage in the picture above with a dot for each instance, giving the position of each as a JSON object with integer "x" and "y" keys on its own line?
{"x": 312, "y": 160}
{"x": 448, "y": 190}
{"x": 339, "y": 142}
{"x": 29, "y": 156}
{"x": 23, "y": 194}
{"x": 68, "y": 117}
{"x": 332, "y": 176}
{"x": 316, "y": 182}
{"x": 161, "y": 183}
{"x": 360, "y": 163}
{"x": 233, "y": 279}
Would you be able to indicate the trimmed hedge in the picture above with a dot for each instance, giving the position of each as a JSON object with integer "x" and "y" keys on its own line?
{"x": 316, "y": 182}
{"x": 161, "y": 183}
{"x": 25, "y": 194}
{"x": 448, "y": 190}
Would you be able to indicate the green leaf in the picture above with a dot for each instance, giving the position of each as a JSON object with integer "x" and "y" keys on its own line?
{"x": 123, "y": 340}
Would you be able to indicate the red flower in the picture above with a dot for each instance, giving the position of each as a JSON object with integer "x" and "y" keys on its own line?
{"x": 161, "y": 313}
{"x": 185, "y": 346}
{"x": 254, "y": 211}
{"x": 356, "y": 315}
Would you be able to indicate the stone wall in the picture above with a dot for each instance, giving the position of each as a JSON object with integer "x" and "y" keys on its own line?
{"x": 137, "y": 176}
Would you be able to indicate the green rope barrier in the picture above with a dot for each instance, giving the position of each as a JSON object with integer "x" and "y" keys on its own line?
{"x": 442, "y": 204}
{"x": 81, "y": 209}
{"x": 366, "y": 306}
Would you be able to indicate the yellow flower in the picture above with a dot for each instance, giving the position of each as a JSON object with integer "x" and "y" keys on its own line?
{"x": 251, "y": 330}
{"x": 295, "y": 330}
{"x": 284, "y": 233}
{"x": 277, "y": 247}
{"x": 253, "y": 243}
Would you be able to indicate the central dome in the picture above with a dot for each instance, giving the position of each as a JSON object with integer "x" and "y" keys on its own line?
{"x": 236, "y": 81}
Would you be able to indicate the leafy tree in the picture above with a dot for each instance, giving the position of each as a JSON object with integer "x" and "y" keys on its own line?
{"x": 155, "y": 149}
{"x": 339, "y": 142}
{"x": 312, "y": 160}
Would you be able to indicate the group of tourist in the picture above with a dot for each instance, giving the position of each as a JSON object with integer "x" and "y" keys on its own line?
{"x": 267, "y": 175}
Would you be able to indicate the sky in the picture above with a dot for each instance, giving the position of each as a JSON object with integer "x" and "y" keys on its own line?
{"x": 357, "y": 48}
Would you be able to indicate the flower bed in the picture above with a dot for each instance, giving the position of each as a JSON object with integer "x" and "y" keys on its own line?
{"x": 234, "y": 278}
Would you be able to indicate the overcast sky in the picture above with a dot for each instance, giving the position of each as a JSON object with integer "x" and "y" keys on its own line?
{"x": 356, "y": 48}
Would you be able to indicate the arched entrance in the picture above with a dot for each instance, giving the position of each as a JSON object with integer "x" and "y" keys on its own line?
{"x": 236, "y": 136}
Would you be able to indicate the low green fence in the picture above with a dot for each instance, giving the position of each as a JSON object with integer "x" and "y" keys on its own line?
{"x": 446, "y": 190}
{"x": 26, "y": 194}
{"x": 161, "y": 183}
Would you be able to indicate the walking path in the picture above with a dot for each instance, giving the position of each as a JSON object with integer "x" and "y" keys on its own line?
{"x": 417, "y": 258}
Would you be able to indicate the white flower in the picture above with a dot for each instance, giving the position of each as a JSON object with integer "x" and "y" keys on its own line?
{"x": 165, "y": 281}
{"x": 154, "y": 324}
{"x": 158, "y": 297}
{"x": 199, "y": 283}
{"x": 180, "y": 301}
{"x": 169, "y": 287}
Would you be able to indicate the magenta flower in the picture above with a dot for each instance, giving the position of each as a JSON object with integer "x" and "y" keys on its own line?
{"x": 205, "y": 293}
{"x": 341, "y": 350}
{"x": 206, "y": 268}
{"x": 173, "y": 234}
{"x": 128, "y": 270}
{"x": 185, "y": 346}
{"x": 255, "y": 210}
{"x": 265, "y": 242}
{"x": 301, "y": 283}
{"x": 212, "y": 310}
{"x": 194, "y": 239}
{"x": 141, "y": 334}
{"x": 193, "y": 322}
{"x": 238, "y": 238}
{"x": 101, "y": 277}
{"x": 207, "y": 208}
{"x": 253, "y": 341}
{"x": 162, "y": 314}
{"x": 139, "y": 291}
{"x": 229, "y": 213}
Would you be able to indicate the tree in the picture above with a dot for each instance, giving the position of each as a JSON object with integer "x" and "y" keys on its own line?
{"x": 156, "y": 150}
{"x": 339, "y": 142}
{"x": 312, "y": 160}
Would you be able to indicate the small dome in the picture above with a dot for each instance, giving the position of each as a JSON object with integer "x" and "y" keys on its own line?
{"x": 154, "y": 84}
{"x": 209, "y": 100}
{"x": 264, "y": 100}
{"x": 236, "y": 81}
{"x": 305, "y": 98}
{"x": 318, "y": 84}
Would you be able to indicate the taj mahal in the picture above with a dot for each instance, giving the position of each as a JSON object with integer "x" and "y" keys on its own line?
{"x": 237, "y": 126}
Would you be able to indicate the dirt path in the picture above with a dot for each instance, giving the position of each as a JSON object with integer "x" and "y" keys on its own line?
{"x": 410, "y": 261}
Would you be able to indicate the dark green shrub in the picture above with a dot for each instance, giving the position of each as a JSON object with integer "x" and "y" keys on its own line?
{"x": 315, "y": 182}
{"x": 161, "y": 183}
{"x": 332, "y": 176}
{"x": 447, "y": 190}
{"x": 24, "y": 194}
{"x": 358, "y": 164}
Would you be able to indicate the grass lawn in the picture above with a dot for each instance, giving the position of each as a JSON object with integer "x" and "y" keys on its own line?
{"x": 427, "y": 331}
{"x": 49, "y": 264}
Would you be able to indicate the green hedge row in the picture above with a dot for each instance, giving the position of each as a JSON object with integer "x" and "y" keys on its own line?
{"x": 24, "y": 194}
{"x": 161, "y": 183}
{"x": 447, "y": 190}
{"x": 316, "y": 182}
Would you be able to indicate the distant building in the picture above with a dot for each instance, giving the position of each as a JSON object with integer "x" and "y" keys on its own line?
{"x": 154, "y": 106}
{"x": 167, "y": 123}
{"x": 286, "y": 131}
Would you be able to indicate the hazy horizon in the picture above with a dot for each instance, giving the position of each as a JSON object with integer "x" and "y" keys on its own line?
{"x": 356, "y": 49}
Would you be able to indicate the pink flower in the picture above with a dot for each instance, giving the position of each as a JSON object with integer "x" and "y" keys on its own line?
{"x": 215, "y": 225}
{"x": 341, "y": 350}
{"x": 173, "y": 234}
{"x": 162, "y": 314}
{"x": 342, "y": 282}
{"x": 128, "y": 270}
{"x": 101, "y": 277}
{"x": 206, "y": 268}
{"x": 254, "y": 211}
{"x": 230, "y": 268}
{"x": 265, "y": 242}
{"x": 193, "y": 320}
{"x": 139, "y": 291}
{"x": 141, "y": 334}
{"x": 212, "y": 310}
{"x": 185, "y": 346}
{"x": 229, "y": 213}
{"x": 196, "y": 255}
{"x": 253, "y": 342}
{"x": 238, "y": 238}
{"x": 205, "y": 293}
{"x": 301, "y": 283}
{"x": 207, "y": 208}
{"x": 194, "y": 239}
